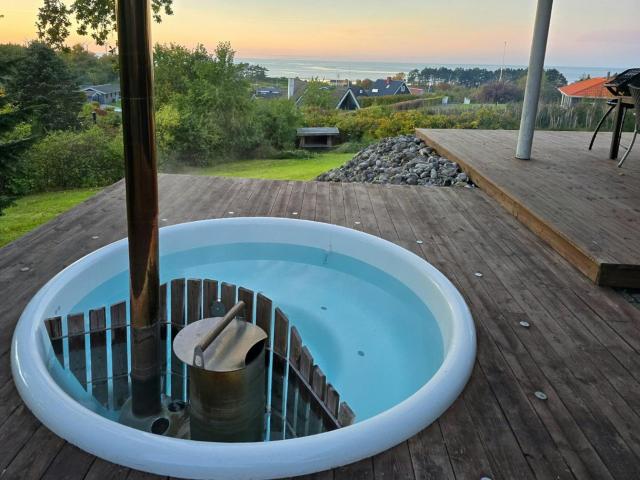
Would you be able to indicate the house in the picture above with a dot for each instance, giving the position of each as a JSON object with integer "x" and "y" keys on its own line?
{"x": 591, "y": 89}
{"x": 268, "y": 92}
{"x": 385, "y": 87}
{"x": 103, "y": 94}
{"x": 317, "y": 137}
{"x": 346, "y": 96}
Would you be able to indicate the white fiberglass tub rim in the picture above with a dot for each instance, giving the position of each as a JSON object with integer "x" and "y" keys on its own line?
{"x": 184, "y": 458}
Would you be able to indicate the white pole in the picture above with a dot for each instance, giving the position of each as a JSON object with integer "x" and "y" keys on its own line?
{"x": 534, "y": 79}
{"x": 504, "y": 54}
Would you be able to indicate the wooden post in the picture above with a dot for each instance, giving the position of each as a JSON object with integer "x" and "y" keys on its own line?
{"x": 136, "y": 82}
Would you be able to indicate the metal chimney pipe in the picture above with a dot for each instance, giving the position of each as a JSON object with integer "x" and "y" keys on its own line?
{"x": 136, "y": 82}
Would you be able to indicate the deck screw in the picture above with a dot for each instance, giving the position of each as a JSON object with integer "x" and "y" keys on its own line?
{"x": 419, "y": 242}
{"x": 164, "y": 219}
{"x": 541, "y": 395}
{"x": 356, "y": 223}
{"x": 294, "y": 213}
{"x": 24, "y": 269}
{"x": 95, "y": 237}
{"x": 231, "y": 213}
{"x": 525, "y": 324}
{"x": 478, "y": 274}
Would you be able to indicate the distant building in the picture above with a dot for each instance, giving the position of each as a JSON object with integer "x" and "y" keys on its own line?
{"x": 591, "y": 88}
{"x": 268, "y": 92}
{"x": 384, "y": 87}
{"x": 346, "y": 95}
{"x": 103, "y": 94}
{"x": 317, "y": 137}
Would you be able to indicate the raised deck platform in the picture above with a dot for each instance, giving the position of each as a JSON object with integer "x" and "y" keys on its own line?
{"x": 577, "y": 201}
{"x": 582, "y": 348}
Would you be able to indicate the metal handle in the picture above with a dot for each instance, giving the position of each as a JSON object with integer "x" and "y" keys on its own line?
{"x": 201, "y": 347}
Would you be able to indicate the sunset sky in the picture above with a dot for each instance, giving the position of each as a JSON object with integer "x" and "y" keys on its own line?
{"x": 421, "y": 31}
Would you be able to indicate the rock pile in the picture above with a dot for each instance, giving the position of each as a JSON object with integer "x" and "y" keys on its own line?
{"x": 404, "y": 160}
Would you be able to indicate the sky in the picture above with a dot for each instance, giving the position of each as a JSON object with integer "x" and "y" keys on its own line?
{"x": 583, "y": 32}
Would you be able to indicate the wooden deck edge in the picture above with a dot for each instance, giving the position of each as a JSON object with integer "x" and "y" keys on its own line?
{"x": 585, "y": 263}
{"x": 617, "y": 275}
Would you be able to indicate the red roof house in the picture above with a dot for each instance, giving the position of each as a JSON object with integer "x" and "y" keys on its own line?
{"x": 592, "y": 88}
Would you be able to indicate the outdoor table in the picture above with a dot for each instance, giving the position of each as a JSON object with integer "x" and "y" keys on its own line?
{"x": 624, "y": 102}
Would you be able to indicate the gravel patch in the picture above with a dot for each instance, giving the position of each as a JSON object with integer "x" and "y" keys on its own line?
{"x": 403, "y": 160}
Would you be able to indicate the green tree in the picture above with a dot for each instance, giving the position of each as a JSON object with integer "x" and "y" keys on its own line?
{"x": 10, "y": 57}
{"x": 93, "y": 17}
{"x": 87, "y": 68}
{"x": 43, "y": 87}
{"x": 276, "y": 121}
{"x": 204, "y": 105}
{"x": 15, "y": 134}
{"x": 318, "y": 94}
{"x": 15, "y": 137}
{"x": 175, "y": 67}
{"x": 500, "y": 92}
{"x": 255, "y": 72}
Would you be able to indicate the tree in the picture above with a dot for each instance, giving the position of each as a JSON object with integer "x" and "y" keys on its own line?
{"x": 94, "y": 17}
{"x": 87, "y": 68}
{"x": 254, "y": 72}
{"x": 500, "y": 92}
{"x": 413, "y": 75}
{"x": 318, "y": 94}
{"x": 366, "y": 83}
{"x": 175, "y": 67}
{"x": 14, "y": 139}
{"x": 276, "y": 121}
{"x": 399, "y": 76}
{"x": 10, "y": 56}
{"x": 43, "y": 87}
{"x": 204, "y": 105}
{"x": 15, "y": 135}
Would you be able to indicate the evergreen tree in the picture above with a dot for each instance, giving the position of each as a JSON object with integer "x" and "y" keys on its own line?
{"x": 13, "y": 140}
{"x": 44, "y": 88}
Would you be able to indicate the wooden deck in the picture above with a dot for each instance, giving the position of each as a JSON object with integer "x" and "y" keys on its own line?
{"x": 582, "y": 348}
{"x": 578, "y": 201}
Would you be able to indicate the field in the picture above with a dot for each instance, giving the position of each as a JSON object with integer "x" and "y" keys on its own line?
{"x": 33, "y": 210}
{"x": 287, "y": 169}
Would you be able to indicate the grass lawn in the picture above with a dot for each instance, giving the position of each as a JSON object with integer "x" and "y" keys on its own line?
{"x": 33, "y": 210}
{"x": 287, "y": 169}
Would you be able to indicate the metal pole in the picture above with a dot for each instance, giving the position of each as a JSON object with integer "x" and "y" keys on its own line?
{"x": 534, "y": 79}
{"x": 136, "y": 80}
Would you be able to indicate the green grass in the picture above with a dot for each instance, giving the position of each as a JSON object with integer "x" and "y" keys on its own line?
{"x": 33, "y": 210}
{"x": 286, "y": 169}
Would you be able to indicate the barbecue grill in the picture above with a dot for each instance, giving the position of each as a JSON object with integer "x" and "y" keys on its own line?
{"x": 619, "y": 85}
{"x": 619, "y": 88}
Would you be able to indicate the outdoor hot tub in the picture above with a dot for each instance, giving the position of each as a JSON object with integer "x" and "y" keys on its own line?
{"x": 390, "y": 331}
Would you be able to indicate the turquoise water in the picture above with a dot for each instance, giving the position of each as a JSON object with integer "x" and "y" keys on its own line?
{"x": 371, "y": 335}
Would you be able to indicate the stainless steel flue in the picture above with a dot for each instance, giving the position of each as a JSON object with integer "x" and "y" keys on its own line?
{"x": 136, "y": 81}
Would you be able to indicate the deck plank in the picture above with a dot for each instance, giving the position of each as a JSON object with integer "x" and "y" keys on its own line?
{"x": 576, "y": 200}
{"x": 582, "y": 349}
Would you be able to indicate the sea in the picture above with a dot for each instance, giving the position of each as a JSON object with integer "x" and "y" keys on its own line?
{"x": 358, "y": 70}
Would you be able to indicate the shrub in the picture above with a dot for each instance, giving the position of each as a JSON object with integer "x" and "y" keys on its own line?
{"x": 66, "y": 159}
{"x": 276, "y": 122}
